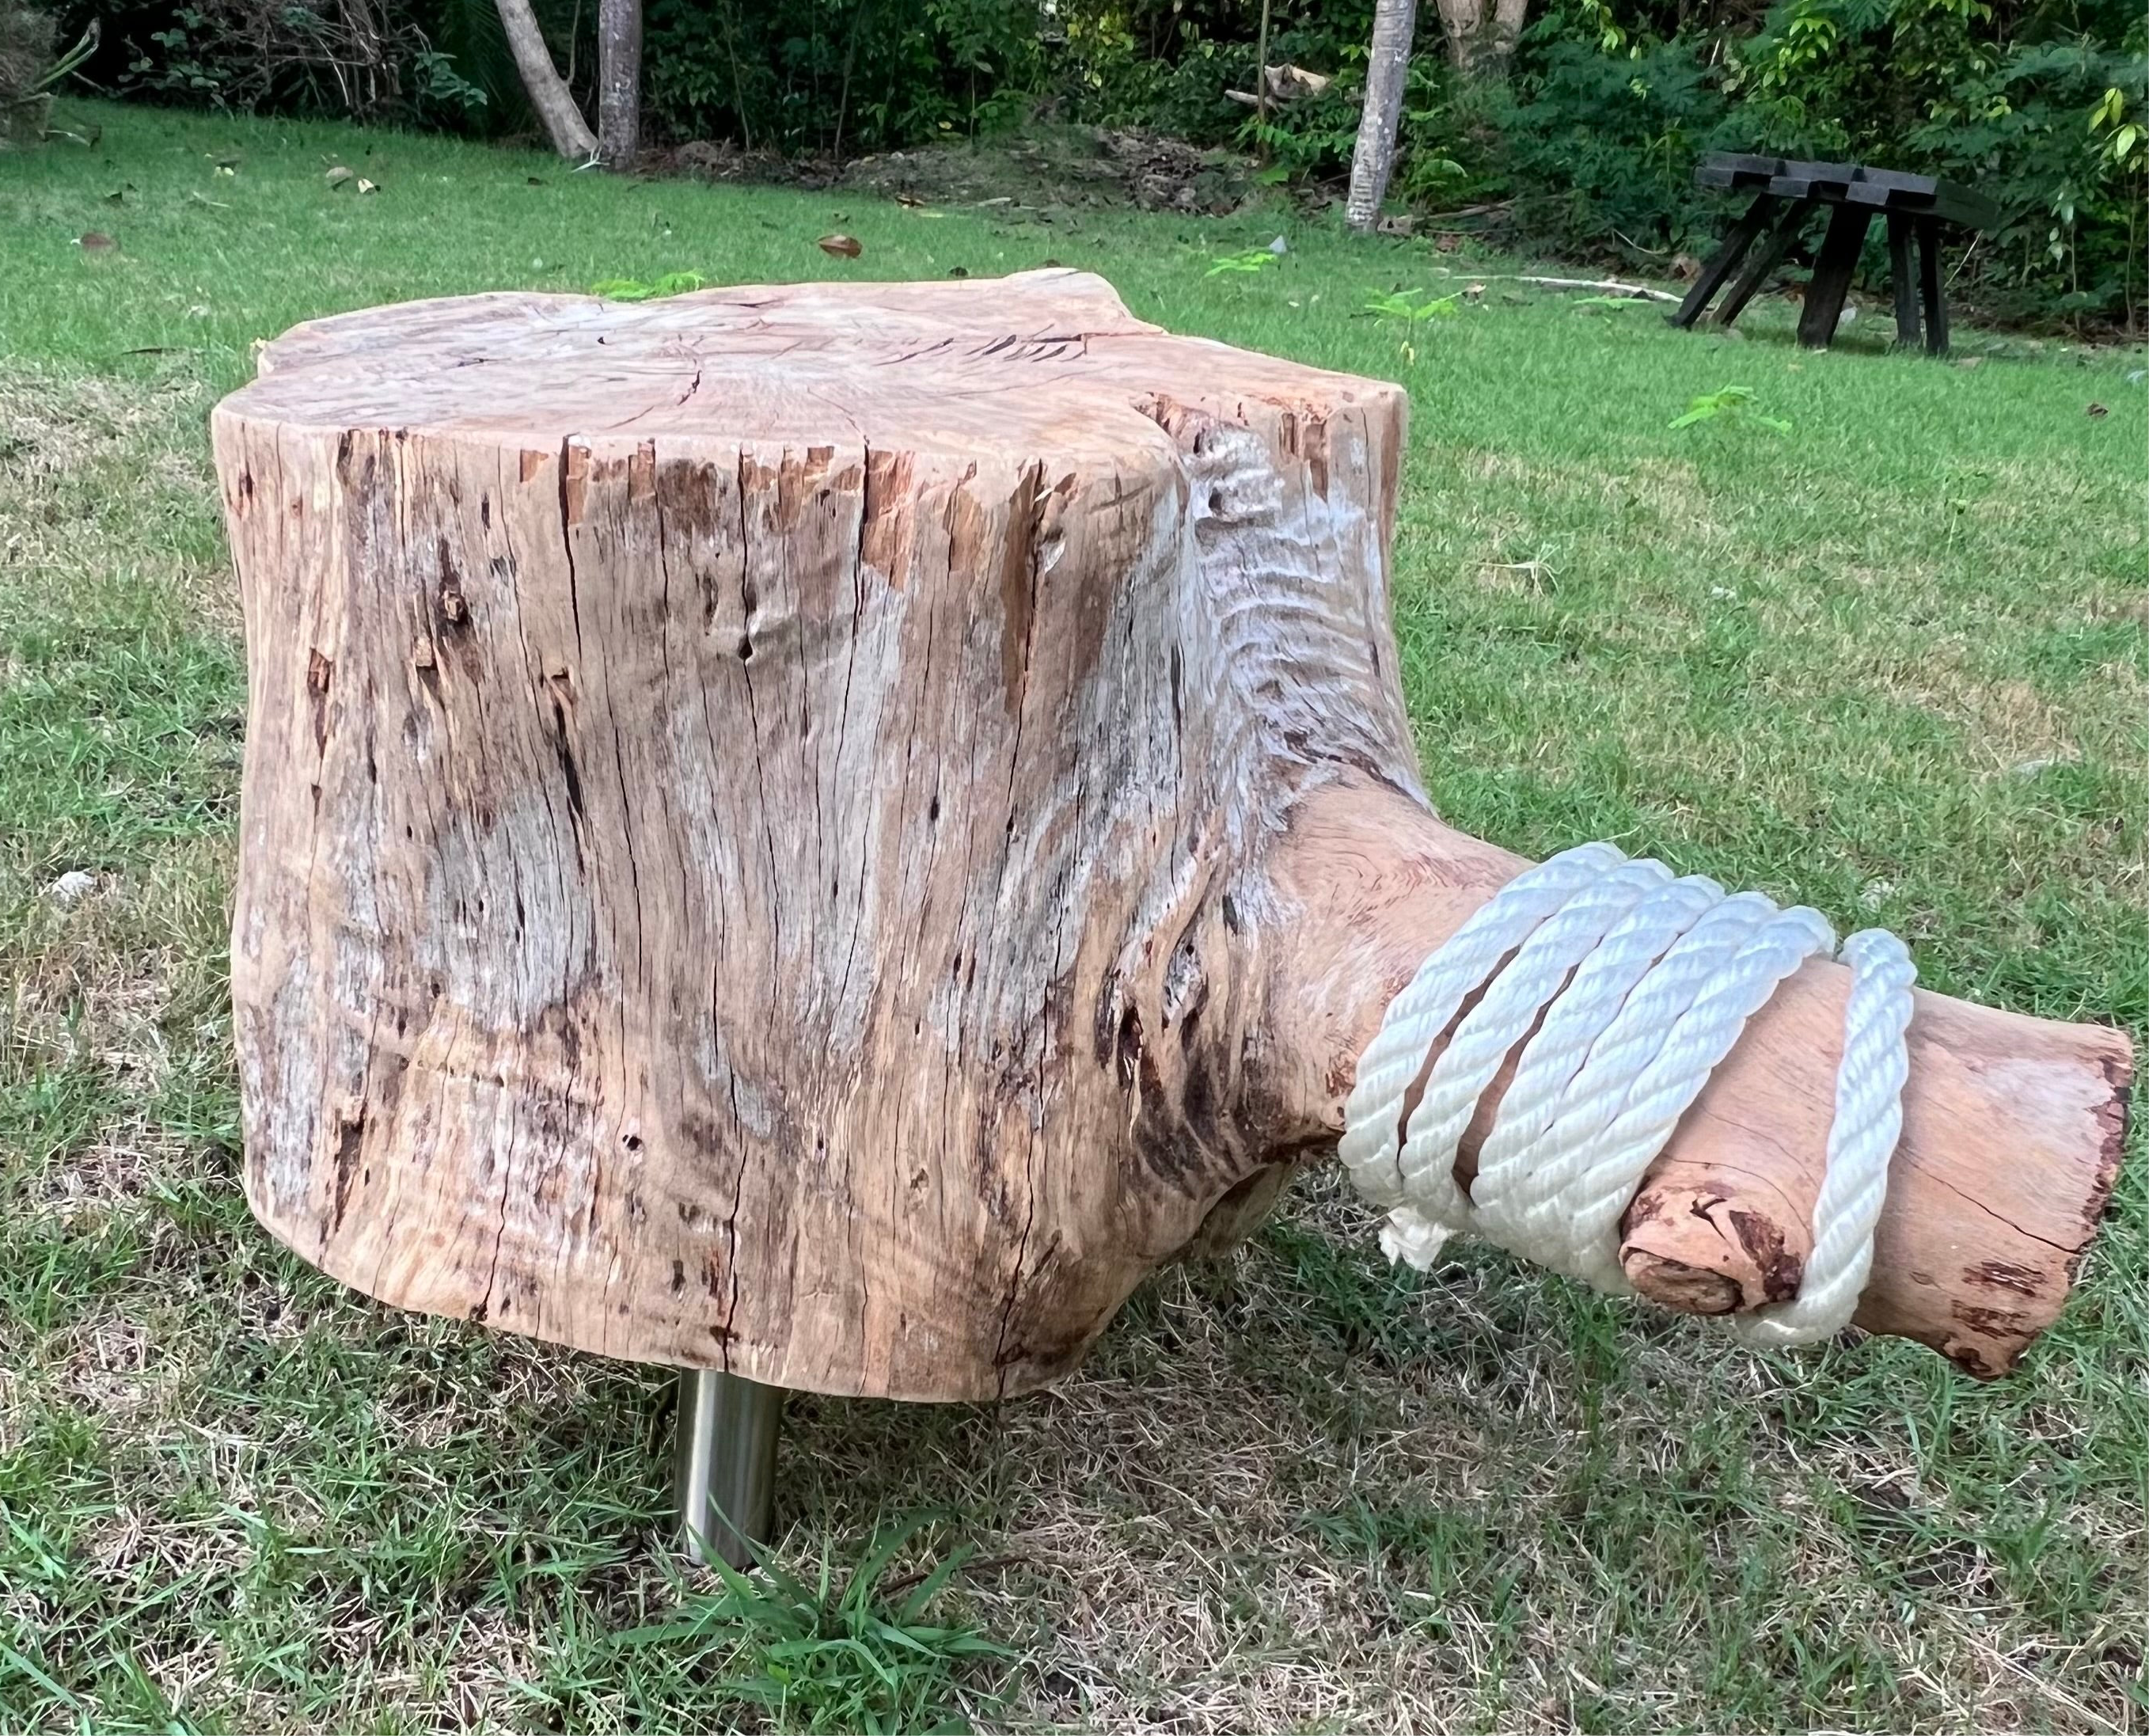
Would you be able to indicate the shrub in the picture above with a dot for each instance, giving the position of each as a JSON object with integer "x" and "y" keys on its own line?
{"x": 358, "y": 59}
{"x": 1595, "y": 132}
{"x": 1601, "y": 147}
{"x": 828, "y": 76}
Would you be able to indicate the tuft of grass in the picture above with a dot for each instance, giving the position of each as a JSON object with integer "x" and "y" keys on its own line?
{"x": 1895, "y": 665}
{"x": 861, "y": 1657}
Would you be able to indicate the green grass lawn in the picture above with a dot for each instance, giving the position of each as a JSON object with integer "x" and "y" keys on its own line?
{"x": 1895, "y": 662}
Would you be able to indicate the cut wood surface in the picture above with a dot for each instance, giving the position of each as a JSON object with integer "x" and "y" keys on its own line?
{"x": 827, "y": 831}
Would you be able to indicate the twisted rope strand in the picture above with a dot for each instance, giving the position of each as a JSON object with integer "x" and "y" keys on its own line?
{"x": 1671, "y": 1082}
{"x": 1638, "y": 985}
{"x": 1373, "y": 1115}
{"x": 1599, "y": 1090}
{"x": 1516, "y": 1150}
{"x": 1561, "y": 1096}
{"x": 1501, "y": 1018}
{"x": 1869, "y": 1120}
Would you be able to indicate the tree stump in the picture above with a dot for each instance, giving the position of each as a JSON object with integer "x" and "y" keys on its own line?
{"x": 824, "y": 832}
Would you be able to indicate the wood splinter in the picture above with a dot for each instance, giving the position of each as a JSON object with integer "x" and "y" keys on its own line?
{"x": 824, "y": 832}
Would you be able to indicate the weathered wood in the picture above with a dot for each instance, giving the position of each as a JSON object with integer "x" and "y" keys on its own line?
{"x": 1763, "y": 260}
{"x": 1931, "y": 288}
{"x": 1914, "y": 204}
{"x": 1903, "y": 275}
{"x": 1725, "y": 259}
{"x": 1830, "y": 282}
{"x": 1848, "y": 182}
{"x": 825, "y": 832}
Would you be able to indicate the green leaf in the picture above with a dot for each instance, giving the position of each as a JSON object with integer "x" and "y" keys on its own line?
{"x": 628, "y": 288}
{"x": 929, "y": 1587}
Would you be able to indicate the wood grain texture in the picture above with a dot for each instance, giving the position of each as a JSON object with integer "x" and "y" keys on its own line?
{"x": 827, "y": 831}
{"x": 755, "y": 805}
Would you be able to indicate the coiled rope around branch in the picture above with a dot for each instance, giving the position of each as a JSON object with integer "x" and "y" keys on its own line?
{"x": 1644, "y": 981}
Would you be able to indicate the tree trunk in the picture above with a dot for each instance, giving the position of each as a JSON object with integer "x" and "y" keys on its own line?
{"x": 1463, "y": 22}
{"x": 619, "y": 82}
{"x": 549, "y": 95}
{"x": 1478, "y": 44}
{"x": 1508, "y": 17}
{"x": 827, "y": 831}
{"x": 1387, "y": 66}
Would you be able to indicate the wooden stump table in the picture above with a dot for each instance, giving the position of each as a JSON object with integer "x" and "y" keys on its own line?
{"x": 820, "y": 834}
{"x": 1786, "y": 194}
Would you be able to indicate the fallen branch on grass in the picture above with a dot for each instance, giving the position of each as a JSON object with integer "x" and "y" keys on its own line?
{"x": 1602, "y": 286}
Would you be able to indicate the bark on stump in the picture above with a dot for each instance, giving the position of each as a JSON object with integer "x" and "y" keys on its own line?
{"x": 826, "y": 832}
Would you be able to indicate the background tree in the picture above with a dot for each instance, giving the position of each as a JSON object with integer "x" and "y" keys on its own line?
{"x": 1508, "y": 19}
{"x": 1386, "y": 67}
{"x": 1478, "y": 43}
{"x": 555, "y": 104}
{"x": 619, "y": 82}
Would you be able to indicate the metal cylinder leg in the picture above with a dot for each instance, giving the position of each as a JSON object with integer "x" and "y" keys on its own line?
{"x": 726, "y": 1470}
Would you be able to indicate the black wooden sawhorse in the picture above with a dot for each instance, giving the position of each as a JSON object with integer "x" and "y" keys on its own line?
{"x": 1786, "y": 194}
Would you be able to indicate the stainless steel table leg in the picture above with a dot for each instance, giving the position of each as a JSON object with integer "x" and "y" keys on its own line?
{"x": 726, "y": 1469}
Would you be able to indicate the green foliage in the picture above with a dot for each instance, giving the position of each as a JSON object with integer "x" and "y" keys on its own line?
{"x": 852, "y": 1659}
{"x": 1252, "y": 261}
{"x": 469, "y": 37}
{"x": 1598, "y": 145}
{"x": 1590, "y": 139}
{"x": 1407, "y": 305}
{"x": 832, "y": 76}
{"x": 1732, "y": 406}
{"x": 1584, "y": 141}
{"x": 1316, "y": 135}
{"x": 1412, "y": 309}
{"x": 628, "y": 288}
{"x": 441, "y": 63}
{"x": 440, "y": 85}
{"x": 1611, "y": 104}
{"x": 323, "y": 57}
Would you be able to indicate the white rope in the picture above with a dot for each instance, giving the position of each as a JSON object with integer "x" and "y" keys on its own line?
{"x": 1637, "y": 985}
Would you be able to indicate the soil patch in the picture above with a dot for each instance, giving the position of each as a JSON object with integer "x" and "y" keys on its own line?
{"x": 1056, "y": 167}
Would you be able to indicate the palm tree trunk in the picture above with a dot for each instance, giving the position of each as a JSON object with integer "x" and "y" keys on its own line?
{"x": 1375, "y": 158}
{"x": 619, "y": 82}
{"x": 549, "y": 94}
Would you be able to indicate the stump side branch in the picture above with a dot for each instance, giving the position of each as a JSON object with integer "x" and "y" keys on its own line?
{"x": 2013, "y": 1131}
